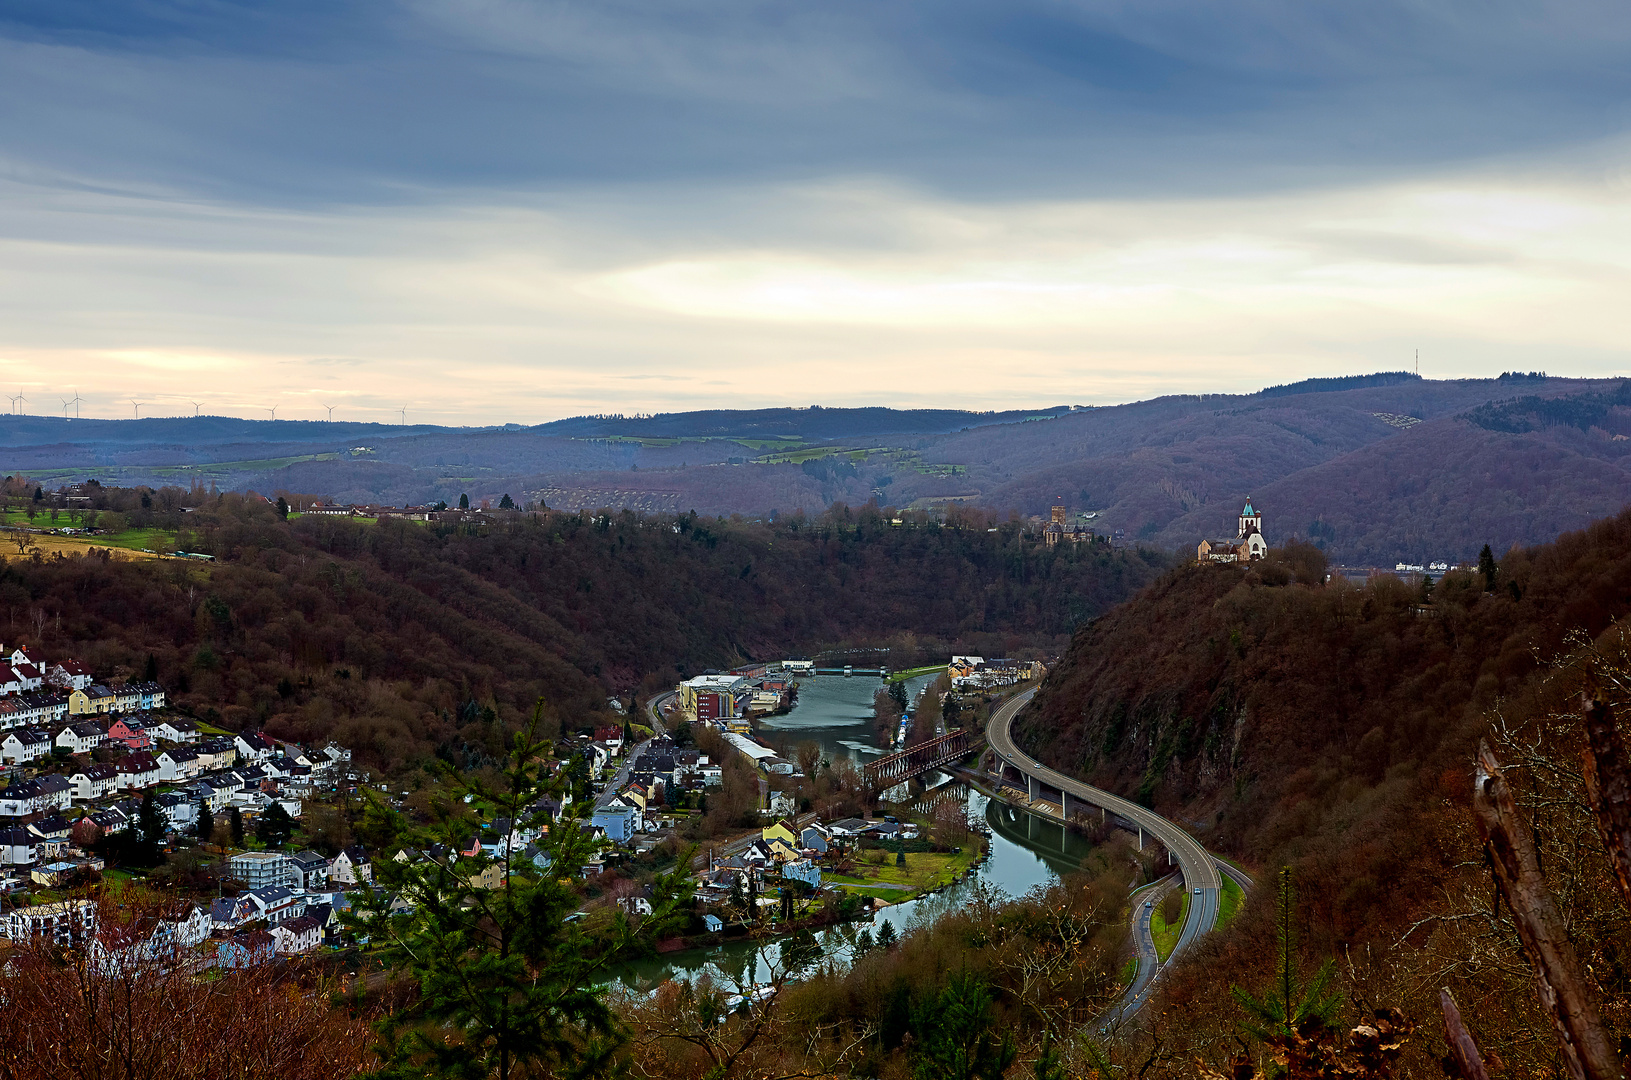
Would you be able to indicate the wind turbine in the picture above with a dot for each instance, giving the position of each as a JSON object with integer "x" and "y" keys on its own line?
{"x": 65, "y": 403}
{"x": 136, "y": 407}
{"x": 273, "y": 410}
{"x": 74, "y": 401}
{"x": 330, "y": 409}
{"x": 13, "y": 403}
{"x": 404, "y": 411}
{"x": 21, "y": 400}
{"x": 195, "y": 405}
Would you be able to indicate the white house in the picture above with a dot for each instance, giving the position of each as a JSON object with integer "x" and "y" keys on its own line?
{"x": 275, "y": 904}
{"x": 176, "y": 730}
{"x": 179, "y": 810}
{"x": 83, "y": 736}
{"x": 178, "y": 764}
{"x": 25, "y": 744}
{"x": 20, "y": 798}
{"x": 297, "y": 935}
{"x": 56, "y": 792}
{"x": 18, "y": 846}
{"x": 69, "y": 675}
{"x": 93, "y": 782}
{"x": 253, "y": 746}
{"x": 137, "y": 771}
{"x": 351, "y": 867}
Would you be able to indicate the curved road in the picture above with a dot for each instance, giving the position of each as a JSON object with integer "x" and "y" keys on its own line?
{"x": 1200, "y": 871}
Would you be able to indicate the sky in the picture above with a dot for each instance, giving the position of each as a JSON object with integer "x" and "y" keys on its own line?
{"x": 490, "y": 211}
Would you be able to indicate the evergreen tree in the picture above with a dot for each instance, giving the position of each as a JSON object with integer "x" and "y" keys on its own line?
{"x": 863, "y": 943}
{"x": 1048, "y": 1065}
{"x": 1487, "y": 567}
{"x": 506, "y": 503}
{"x": 39, "y": 494}
{"x": 886, "y": 936}
{"x": 151, "y": 672}
{"x": 464, "y": 502}
{"x": 206, "y": 821}
{"x": 897, "y": 693}
{"x": 275, "y": 826}
{"x": 955, "y": 1033}
{"x": 282, "y": 508}
{"x": 508, "y": 985}
{"x": 237, "y": 821}
{"x": 149, "y": 832}
{"x": 1290, "y": 1001}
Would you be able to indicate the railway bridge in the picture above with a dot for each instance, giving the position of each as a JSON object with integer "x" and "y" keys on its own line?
{"x": 924, "y": 757}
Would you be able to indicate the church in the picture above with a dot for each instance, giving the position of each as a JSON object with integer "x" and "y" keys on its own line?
{"x": 1246, "y": 547}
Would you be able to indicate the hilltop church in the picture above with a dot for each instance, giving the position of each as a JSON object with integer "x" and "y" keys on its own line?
{"x": 1246, "y": 547}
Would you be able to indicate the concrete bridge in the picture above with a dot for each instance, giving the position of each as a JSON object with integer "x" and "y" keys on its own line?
{"x": 924, "y": 757}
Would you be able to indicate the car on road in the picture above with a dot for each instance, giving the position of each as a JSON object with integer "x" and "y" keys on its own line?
{"x": 1149, "y": 903}
{"x": 1197, "y": 892}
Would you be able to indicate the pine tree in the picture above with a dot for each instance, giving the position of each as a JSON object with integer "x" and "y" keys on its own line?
{"x": 206, "y": 822}
{"x": 151, "y": 674}
{"x": 237, "y": 821}
{"x": 1487, "y": 567}
{"x": 508, "y": 985}
{"x": 955, "y": 1033}
{"x": 506, "y": 503}
{"x": 149, "y": 834}
{"x": 282, "y": 508}
{"x": 464, "y": 502}
{"x": 897, "y": 692}
{"x": 886, "y": 936}
{"x": 1049, "y": 1066}
{"x": 275, "y": 826}
{"x": 1289, "y": 1002}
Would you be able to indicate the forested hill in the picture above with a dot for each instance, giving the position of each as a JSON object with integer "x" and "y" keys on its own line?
{"x": 1332, "y": 728}
{"x": 395, "y": 636}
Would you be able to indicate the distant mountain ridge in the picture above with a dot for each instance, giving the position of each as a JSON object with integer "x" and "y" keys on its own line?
{"x": 1376, "y": 468}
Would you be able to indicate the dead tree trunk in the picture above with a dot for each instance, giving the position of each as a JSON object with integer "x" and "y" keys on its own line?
{"x": 1607, "y": 774}
{"x": 1559, "y": 981}
{"x": 1463, "y": 1050}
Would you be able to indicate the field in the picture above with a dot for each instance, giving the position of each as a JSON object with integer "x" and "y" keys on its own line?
{"x": 923, "y": 871}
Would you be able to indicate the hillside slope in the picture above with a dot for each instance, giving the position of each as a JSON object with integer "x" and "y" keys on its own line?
{"x": 1332, "y": 729}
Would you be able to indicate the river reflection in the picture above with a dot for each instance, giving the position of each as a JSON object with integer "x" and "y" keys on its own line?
{"x": 1025, "y": 850}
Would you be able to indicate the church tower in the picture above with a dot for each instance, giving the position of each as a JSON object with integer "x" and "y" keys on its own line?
{"x": 1250, "y": 520}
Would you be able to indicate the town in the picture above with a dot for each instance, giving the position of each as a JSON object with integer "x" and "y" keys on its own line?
{"x": 109, "y": 784}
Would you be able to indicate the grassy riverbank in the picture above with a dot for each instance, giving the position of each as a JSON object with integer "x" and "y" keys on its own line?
{"x": 924, "y": 871}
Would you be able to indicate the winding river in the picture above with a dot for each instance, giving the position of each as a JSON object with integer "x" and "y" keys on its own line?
{"x": 836, "y": 712}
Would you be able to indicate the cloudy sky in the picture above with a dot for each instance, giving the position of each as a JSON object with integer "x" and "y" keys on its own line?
{"x": 501, "y": 210}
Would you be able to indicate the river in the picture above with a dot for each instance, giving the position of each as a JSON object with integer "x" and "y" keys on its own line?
{"x": 836, "y": 712}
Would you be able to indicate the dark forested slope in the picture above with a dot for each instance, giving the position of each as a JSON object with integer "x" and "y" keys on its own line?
{"x": 395, "y": 636}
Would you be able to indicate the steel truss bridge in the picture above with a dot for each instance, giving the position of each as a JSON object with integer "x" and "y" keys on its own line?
{"x": 924, "y": 757}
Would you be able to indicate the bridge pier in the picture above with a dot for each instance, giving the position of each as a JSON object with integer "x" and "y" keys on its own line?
{"x": 1033, "y": 787}
{"x": 1141, "y": 839}
{"x": 1067, "y": 805}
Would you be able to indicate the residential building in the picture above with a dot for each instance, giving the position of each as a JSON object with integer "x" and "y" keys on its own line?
{"x": 93, "y": 700}
{"x": 176, "y": 730}
{"x": 18, "y": 846}
{"x": 136, "y": 771}
{"x": 179, "y": 764}
{"x": 219, "y": 752}
{"x": 802, "y": 870}
{"x": 260, "y": 869}
{"x": 23, "y": 745}
{"x": 617, "y": 819}
{"x": 82, "y": 737}
{"x": 253, "y": 746}
{"x": 64, "y": 922}
{"x": 21, "y": 798}
{"x": 93, "y": 782}
{"x": 130, "y": 733}
{"x": 56, "y": 792}
{"x": 298, "y": 935}
{"x": 245, "y": 950}
{"x": 313, "y": 869}
{"x": 276, "y": 903}
{"x": 178, "y": 809}
{"x": 351, "y": 867}
{"x": 69, "y": 675}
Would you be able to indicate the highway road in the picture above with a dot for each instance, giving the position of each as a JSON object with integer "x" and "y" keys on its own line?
{"x": 1200, "y": 871}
